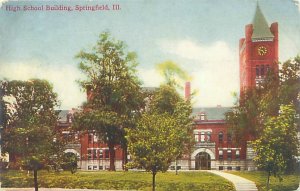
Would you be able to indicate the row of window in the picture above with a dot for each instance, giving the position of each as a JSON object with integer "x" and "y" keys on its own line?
{"x": 260, "y": 70}
{"x": 94, "y": 154}
{"x": 95, "y": 167}
{"x": 206, "y": 137}
{"x": 229, "y": 168}
{"x": 203, "y": 137}
{"x": 229, "y": 154}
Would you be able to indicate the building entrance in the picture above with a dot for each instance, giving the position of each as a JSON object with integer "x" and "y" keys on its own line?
{"x": 202, "y": 161}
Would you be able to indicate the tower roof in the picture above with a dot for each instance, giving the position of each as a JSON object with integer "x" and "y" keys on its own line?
{"x": 261, "y": 30}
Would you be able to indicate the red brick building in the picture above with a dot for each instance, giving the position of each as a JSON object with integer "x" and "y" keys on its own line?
{"x": 214, "y": 147}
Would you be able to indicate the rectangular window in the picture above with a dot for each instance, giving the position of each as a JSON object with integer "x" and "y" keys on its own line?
{"x": 94, "y": 154}
{"x": 89, "y": 154}
{"x": 208, "y": 137}
{"x": 101, "y": 154}
{"x": 237, "y": 154}
{"x": 202, "y": 137}
{"x": 262, "y": 70}
{"x": 106, "y": 153}
{"x": 221, "y": 167}
{"x": 238, "y": 168}
{"x": 202, "y": 116}
{"x": 197, "y": 138}
{"x": 229, "y": 155}
{"x": 220, "y": 154}
{"x": 229, "y": 168}
{"x": 89, "y": 167}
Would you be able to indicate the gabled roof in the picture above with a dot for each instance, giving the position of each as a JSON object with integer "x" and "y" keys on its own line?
{"x": 261, "y": 30}
{"x": 211, "y": 113}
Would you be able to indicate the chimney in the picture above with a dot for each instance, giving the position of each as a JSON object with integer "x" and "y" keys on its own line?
{"x": 187, "y": 90}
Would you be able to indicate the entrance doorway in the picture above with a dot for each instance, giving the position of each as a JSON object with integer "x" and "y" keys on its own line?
{"x": 202, "y": 161}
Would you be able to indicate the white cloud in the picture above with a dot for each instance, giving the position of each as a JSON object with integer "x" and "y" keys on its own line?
{"x": 214, "y": 68}
{"x": 62, "y": 77}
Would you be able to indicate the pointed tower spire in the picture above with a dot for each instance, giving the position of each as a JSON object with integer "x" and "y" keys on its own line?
{"x": 261, "y": 30}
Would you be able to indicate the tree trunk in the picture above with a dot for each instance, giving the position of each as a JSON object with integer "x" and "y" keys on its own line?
{"x": 112, "y": 155}
{"x": 153, "y": 180}
{"x": 176, "y": 167}
{"x": 268, "y": 181}
{"x": 125, "y": 160}
{"x": 36, "y": 186}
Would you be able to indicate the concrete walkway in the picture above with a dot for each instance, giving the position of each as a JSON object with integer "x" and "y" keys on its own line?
{"x": 298, "y": 187}
{"x": 240, "y": 184}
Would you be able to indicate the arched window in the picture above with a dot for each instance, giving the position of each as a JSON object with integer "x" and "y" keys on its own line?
{"x": 221, "y": 137}
{"x": 257, "y": 70}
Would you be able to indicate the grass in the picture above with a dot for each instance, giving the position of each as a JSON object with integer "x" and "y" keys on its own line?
{"x": 289, "y": 182}
{"x": 190, "y": 181}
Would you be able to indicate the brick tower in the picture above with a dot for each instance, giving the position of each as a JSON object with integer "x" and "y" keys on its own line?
{"x": 258, "y": 51}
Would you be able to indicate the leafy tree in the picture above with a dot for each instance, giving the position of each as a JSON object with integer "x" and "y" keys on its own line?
{"x": 289, "y": 91}
{"x": 172, "y": 73}
{"x": 28, "y": 132}
{"x": 163, "y": 134}
{"x": 253, "y": 110}
{"x": 165, "y": 99}
{"x": 114, "y": 97}
{"x": 278, "y": 143}
{"x": 155, "y": 143}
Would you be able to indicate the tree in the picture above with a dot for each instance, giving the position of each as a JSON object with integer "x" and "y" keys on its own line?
{"x": 278, "y": 143}
{"x": 155, "y": 143}
{"x": 172, "y": 73}
{"x": 254, "y": 109}
{"x": 258, "y": 103}
{"x": 163, "y": 133}
{"x": 289, "y": 91}
{"x": 114, "y": 96}
{"x": 28, "y": 132}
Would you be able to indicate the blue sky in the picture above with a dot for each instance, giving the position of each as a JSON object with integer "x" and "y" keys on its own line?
{"x": 200, "y": 35}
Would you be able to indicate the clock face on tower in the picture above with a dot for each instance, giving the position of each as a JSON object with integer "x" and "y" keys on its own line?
{"x": 262, "y": 50}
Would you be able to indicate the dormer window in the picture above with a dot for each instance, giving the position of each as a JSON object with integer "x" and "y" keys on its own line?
{"x": 202, "y": 116}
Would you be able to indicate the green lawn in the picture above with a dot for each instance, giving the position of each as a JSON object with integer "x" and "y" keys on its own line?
{"x": 188, "y": 181}
{"x": 289, "y": 182}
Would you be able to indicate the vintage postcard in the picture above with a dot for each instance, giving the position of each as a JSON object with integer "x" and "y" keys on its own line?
{"x": 211, "y": 51}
